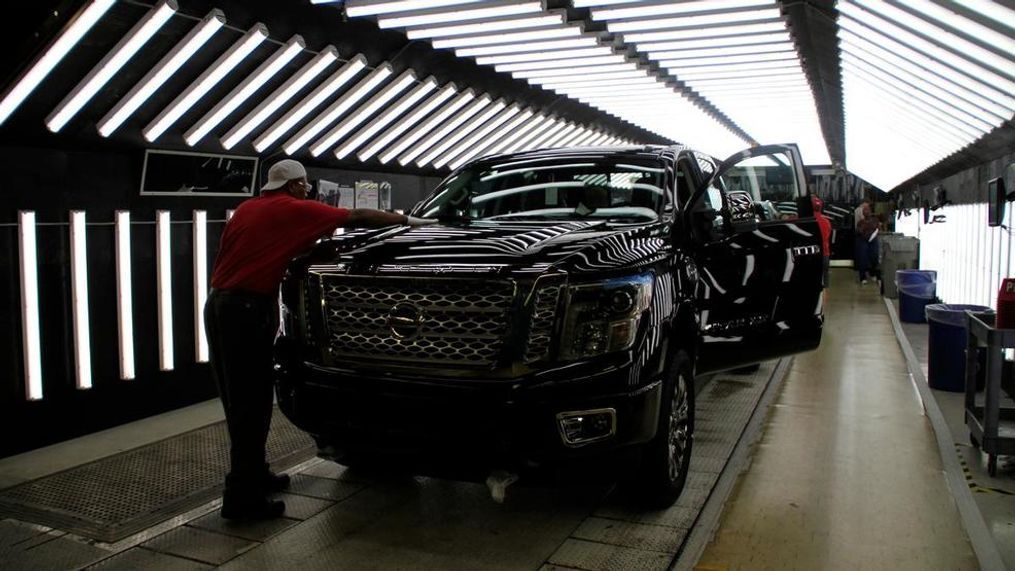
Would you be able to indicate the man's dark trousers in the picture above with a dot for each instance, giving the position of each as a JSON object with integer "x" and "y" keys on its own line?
{"x": 241, "y": 329}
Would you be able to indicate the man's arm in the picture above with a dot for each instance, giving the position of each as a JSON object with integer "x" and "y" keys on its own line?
{"x": 369, "y": 218}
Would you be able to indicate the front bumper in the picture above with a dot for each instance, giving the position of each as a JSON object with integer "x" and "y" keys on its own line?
{"x": 478, "y": 423}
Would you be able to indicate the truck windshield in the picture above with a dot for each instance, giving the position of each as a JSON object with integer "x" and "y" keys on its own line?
{"x": 618, "y": 190}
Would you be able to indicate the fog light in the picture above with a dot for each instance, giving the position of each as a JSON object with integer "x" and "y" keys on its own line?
{"x": 578, "y": 428}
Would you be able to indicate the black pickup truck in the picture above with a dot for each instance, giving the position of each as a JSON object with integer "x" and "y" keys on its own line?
{"x": 558, "y": 313}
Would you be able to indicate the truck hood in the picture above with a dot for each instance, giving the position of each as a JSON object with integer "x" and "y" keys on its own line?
{"x": 496, "y": 248}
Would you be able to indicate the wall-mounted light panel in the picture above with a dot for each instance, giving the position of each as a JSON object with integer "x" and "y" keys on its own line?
{"x": 164, "y": 288}
{"x": 31, "y": 338}
{"x": 79, "y": 299}
{"x": 124, "y": 295}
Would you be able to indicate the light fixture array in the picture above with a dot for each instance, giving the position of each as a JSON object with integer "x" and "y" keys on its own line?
{"x": 328, "y": 104}
{"x": 737, "y": 54}
{"x": 916, "y": 87}
{"x": 545, "y": 50}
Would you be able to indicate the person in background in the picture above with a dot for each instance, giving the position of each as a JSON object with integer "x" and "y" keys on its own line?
{"x": 825, "y": 226}
{"x": 867, "y": 245}
{"x": 241, "y": 319}
{"x": 859, "y": 246}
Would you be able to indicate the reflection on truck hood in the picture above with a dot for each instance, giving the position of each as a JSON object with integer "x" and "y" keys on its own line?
{"x": 497, "y": 248}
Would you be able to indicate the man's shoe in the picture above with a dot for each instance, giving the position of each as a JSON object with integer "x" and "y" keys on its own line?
{"x": 275, "y": 482}
{"x": 255, "y": 507}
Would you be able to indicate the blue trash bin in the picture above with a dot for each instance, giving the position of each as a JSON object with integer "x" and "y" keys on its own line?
{"x": 946, "y": 348}
{"x": 917, "y": 289}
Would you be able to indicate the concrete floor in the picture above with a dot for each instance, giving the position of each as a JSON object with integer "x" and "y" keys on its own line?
{"x": 994, "y": 496}
{"x": 847, "y": 474}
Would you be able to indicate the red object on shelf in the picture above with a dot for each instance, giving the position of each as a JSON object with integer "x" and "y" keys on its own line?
{"x": 1006, "y": 305}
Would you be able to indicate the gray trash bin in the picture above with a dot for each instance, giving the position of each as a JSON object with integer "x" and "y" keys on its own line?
{"x": 898, "y": 252}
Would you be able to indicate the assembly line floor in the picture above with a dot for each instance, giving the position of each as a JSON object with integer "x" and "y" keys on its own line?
{"x": 845, "y": 475}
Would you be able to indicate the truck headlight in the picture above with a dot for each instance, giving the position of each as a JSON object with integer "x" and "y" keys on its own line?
{"x": 602, "y": 317}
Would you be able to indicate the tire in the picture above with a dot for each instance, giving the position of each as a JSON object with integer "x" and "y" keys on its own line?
{"x": 667, "y": 458}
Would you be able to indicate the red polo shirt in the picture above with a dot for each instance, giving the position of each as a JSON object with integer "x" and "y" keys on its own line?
{"x": 264, "y": 234}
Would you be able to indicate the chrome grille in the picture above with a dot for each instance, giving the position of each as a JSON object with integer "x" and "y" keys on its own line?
{"x": 463, "y": 322}
{"x": 544, "y": 312}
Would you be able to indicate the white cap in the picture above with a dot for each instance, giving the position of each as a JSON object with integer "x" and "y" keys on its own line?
{"x": 282, "y": 172}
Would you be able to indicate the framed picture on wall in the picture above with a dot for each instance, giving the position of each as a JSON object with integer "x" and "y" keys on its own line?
{"x": 175, "y": 173}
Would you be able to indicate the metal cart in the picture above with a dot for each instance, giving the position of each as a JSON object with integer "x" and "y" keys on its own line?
{"x": 991, "y": 426}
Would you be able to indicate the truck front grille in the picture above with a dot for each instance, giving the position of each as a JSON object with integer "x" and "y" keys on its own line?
{"x": 457, "y": 322}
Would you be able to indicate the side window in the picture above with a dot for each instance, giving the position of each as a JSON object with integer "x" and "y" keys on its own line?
{"x": 770, "y": 181}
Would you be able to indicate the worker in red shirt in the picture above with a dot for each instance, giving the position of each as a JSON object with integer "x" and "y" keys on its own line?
{"x": 825, "y": 227}
{"x": 241, "y": 319}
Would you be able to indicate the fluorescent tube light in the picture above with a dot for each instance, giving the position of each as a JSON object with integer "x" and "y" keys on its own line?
{"x": 485, "y": 27}
{"x": 560, "y": 136}
{"x": 558, "y": 63}
{"x": 488, "y": 142}
{"x": 79, "y": 300}
{"x": 648, "y": 9}
{"x": 121, "y": 53}
{"x": 716, "y": 42}
{"x": 382, "y": 120}
{"x": 573, "y": 71}
{"x": 523, "y": 143}
{"x": 554, "y": 130}
{"x": 206, "y": 82}
{"x": 544, "y": 55}
{"x": 728, "y": 60}
{"x": 163, "y": 70}
{"x": 200, "y": 284}
{"x": 164, "y": 274}
{"x": 444, "y": 15}
{"x": 425, "y": 127}
{"x": 639, "y": 82}
{"x": 714, "y": 32}
{"x": 632, "y": 74}
{"x": 445, "y": 129}
{"x": 716, "y": 70}
{"x": 390, "y": 91}
{"x": 529, "y": 47}
{"x": 310, "y": 102}
{"x": 267, "y": 70}
{"x": 124, "y": 295}
{"x": 477, "y": 136}
{"x": 725, "y": 18}
{"x": 30, "y": 335}
{"x": 507, "y": 37}
{"x": 408, "y": 121}
{"x": 339, "y": 108}
{"x": 755, "y": 49}
{"x": 360, "y": 8}
{"x": 69, "y": 37}
{"x": 516, "y": 135}
{"x": 280, "y": 96}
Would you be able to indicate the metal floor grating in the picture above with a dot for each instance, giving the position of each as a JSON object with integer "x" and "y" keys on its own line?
{"x": 115, "y": 497}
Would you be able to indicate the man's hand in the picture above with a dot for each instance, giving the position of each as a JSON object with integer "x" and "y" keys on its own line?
{"x": 413, "y": 221}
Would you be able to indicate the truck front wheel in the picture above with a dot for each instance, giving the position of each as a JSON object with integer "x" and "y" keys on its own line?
{"x": 667, "y": 457}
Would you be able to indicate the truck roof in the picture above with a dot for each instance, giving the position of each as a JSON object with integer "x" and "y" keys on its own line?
{"x": 641, "y": 151}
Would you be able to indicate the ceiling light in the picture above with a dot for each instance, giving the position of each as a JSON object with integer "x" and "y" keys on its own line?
{"x": 755, "y": 49}
{"x": 485, "y": 27}
{"x": 267, "y": 70}
{"x": 663, "y": 8}
{"x": 81, "y": 23}
{"x": 359, "y": 8}
{"x": 389, "y": 115}
{"x": 727, "y": 60}
{"x": 517, "y": 134}
{"x": 121, "y": 53}
{"x": 403, "y": 124}
{"x": 357, "y": 117}
{"x": 544, "y": 56}
{"x": 576, "y": 84}
{"x": 435, "y": 136}
{"x": 758, "y": 72}
{"x": 339, "y": 108}
{"x": 425, "y": 127}
{"x": 507, "y": 37}
{"x": 692, "y": 21}
{"x": 163, "y": 70}
{"x": 582, "y": 70}
{"x": 632, "y": 74}
{"x": 543, "y": 125}
{"x": 459, "y": 14}
{"x": 477, "y": 136}
{"x": 318, "y": 96}
{"x": 550, "y": 134}
{"x": 456, "y": 134}
{"x": 558, "y": 63}
{"x": 716, "y": 43}
{"x": 713, "y": 32}
{"x": 207, "y": 81}
{"x": 527, "y": 47}
{"x": 489, "y": 142}
{"x": 280, "y": 96}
